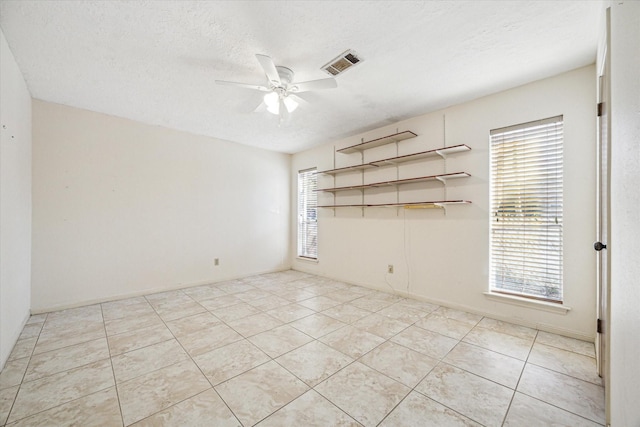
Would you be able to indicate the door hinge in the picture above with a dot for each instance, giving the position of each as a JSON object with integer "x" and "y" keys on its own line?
{"x": 599, "y": 326}
{"x": 600, "y": 108}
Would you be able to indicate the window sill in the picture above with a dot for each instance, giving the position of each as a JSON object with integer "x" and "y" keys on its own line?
{"x": 311, "y": 260}
{"x": 529, "y": 303}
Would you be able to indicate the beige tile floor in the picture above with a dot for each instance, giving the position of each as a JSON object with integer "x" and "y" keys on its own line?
{"x": 291, "y": 349}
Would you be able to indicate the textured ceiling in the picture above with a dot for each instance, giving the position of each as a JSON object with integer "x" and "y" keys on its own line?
{"x": 156, "y": 61}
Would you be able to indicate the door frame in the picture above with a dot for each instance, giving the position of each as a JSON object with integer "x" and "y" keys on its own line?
{"x": 603, "y": 214}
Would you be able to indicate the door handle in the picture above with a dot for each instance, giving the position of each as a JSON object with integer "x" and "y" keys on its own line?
{"x": 598, "y": 246}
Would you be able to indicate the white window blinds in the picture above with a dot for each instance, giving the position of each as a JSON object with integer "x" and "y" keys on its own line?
{"x": 307, "y": 214}
{"x": 526, "y": 210}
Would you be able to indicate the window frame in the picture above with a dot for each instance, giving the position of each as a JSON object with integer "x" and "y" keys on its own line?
{"x": 526, "y": 193}
{"x": 307, "y": 214}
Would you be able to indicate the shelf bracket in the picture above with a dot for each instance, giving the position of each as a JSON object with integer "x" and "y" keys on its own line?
{"x": 441, "y": 153}
{"x": 443, "y": 207}
{"x": 442, "y": 179}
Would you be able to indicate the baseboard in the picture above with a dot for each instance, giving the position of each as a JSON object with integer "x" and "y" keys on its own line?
{"x": 82, "y": 303}
{"x": 389, "y": 289}
{"x": 534, "y": 325}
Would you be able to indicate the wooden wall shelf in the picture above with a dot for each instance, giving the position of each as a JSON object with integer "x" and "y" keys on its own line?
{"x": 406, "y": 205}
{"x": 394, "y": 183}
{"x": 442, "y": 152}
{"x": 396, "y": 161}
{"x": 396, "y": 137}
{"x": 348, "y": 169}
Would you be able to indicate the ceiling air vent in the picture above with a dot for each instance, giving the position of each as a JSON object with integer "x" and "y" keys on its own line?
{"x": 341, "y": 63}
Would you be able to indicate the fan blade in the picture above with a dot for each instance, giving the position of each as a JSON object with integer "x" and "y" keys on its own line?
{"x": 283, "y": 113}
{"x": 261, "y": 108}
{"x": 283, "y": 110}
{"x": 314, "y": 85}
{"x": 244, "y": 85}
{"x": 269, "y": 69}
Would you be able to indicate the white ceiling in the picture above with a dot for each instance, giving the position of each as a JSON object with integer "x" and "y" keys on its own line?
{"x": 156, "y": 61}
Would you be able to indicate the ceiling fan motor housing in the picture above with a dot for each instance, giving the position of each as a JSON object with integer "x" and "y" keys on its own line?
{"x": 286, "y": 74}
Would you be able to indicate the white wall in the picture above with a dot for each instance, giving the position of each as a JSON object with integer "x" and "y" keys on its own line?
{"x": 624, "y": 241}
{"x": 122, "y": 208}
{"x": 15, "y": 201}
{"x": 445, "y": 258}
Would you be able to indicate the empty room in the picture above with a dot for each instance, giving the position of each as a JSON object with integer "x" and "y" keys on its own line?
{"x": 319, "y": 213}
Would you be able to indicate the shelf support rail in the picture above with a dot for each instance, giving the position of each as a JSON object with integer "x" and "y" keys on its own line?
{"x": 334, "y": 179}
{"x": 362, "y": 178}
{"x": 397, "y": 174}
{"x": 444, "y": 158}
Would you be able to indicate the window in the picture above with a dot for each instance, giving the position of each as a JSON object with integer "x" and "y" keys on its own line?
{"x": 307, "y": 214}
{"x": 526, "y": 210}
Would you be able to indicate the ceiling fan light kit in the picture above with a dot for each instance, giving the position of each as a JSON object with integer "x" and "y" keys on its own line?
{"x": 281, "y": 99}
{"x": 272, "y": 101}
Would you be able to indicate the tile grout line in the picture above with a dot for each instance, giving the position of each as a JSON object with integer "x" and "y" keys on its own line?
{"x": 56, "y": 406}
{"x": 412, "y": 389}
{"x": 111, "y": 362}
{"x": 273, "y": 359}
{"x": 197, "y": 366}
{"x": 65, "y": 370}
{"x": 495, "y": 351}
{"x": 560, "y": 408}
{"x": 313, "y": 388}
{"x": 61, "y": 404}
{"x": 515, "y": 390}
{"x": 113, "y": 372}
{"x": 109, "y": 357}
{"x": 564, "y": 373}
{"x": 312, "y": 288}
{"x": 15, "y": 398}
{"x": 560, "y": 373}
{"x": 441, "y": 361}
{"x": 387, "y": 340}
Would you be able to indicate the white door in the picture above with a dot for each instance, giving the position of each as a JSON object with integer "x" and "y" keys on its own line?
{"x": 603, "y": 213}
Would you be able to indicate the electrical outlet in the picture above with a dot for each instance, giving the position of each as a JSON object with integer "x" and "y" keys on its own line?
{"x": 390, "y": 269}
{"x": 216, "y": 261}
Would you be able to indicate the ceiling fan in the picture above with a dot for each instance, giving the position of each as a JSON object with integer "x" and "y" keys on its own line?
{"x": 281, "y": 99}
